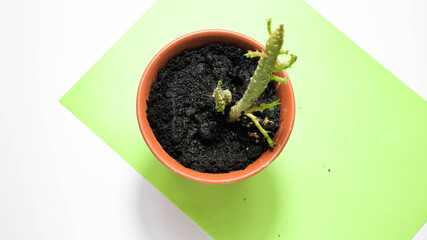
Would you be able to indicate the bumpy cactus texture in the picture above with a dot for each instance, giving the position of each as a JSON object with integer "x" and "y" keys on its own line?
{"x": 222, "y": 98}
{"x": 261, "y": 76}
{"x": 259, "y": 81}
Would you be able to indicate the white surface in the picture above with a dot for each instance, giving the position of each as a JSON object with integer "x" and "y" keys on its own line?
{"x": 422, "y": 234}
{"x": 394, "y": 32}
{"x": 83, "y": 189}
{"x": 58, "y": 180}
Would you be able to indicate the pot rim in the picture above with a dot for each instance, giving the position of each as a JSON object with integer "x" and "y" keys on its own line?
{"x": 172, "y": 164}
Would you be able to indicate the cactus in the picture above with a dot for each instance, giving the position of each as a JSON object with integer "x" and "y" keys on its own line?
{"x": 254, "y": 119}
{"x": 222, "y": 97}
{"x": 262, "y": 107}
{"x": 259, "y": 81}
{"x": 262, "y": 74}
{"x": 261, "y": 129}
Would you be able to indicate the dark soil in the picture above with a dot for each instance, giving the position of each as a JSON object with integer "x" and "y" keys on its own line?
{"x": 181, "y": 110}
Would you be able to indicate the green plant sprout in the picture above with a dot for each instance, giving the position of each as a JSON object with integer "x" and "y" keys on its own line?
{"x": 258, "y": 82}
{"x": 222, "y": 97}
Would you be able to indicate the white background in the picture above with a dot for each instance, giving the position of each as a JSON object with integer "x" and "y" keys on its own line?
{"x": 58, "y": 180}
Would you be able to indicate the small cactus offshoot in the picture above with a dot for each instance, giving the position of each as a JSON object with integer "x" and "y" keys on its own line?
{"x": 259, "y": 81}
{"x": 222, "y": 98}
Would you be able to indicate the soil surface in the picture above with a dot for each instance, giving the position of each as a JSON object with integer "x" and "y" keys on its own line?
{"x": 181, "y": 110}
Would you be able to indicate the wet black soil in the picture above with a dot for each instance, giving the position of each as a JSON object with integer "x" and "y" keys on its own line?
{"x": 181, "y": 110}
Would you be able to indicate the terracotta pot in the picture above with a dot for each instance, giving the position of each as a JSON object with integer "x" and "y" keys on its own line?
{"x": 192, "y": 41}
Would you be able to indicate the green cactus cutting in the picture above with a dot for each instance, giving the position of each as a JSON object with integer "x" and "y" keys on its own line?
{"x": 259, "y": 81}
{"x": 222, "y": 97}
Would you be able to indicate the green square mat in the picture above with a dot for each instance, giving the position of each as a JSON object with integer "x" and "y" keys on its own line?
{"x": 355, "y": 166}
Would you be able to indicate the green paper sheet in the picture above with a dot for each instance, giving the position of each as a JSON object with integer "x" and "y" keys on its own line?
{"x": 355, "y": 166}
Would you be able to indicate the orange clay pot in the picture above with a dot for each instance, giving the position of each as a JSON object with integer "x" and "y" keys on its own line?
{"x": 192, "y": 41}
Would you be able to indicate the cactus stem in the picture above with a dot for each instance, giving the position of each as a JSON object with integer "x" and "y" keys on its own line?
{"x": 222, "y": 98}
{"x": 261, "y": 76}
{"x": 258, "y": 82}
{"x": 252, "y": 54}
{"x": 261, "y": 129}
{"x": 269, "y": 26}
{"x": 264, "y": 106}
{"x": 279, "y": 79}
{"x": 284, "y": 52}
{"x": 287, "y": 64}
